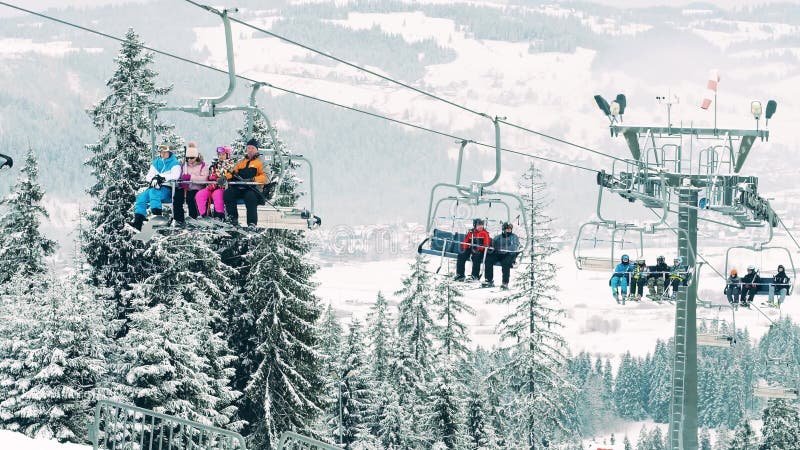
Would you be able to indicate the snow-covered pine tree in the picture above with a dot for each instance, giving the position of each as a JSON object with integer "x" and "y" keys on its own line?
{"x": 415, "y": 326}
{"x": 53, "y": 345}
{"x": 536, "y": 370}
{"x": 119, "y": 162}
{"x": 744, "y": 438}
{"x": 643, "y": 443}
{"x": 354, "y": 383}
{"x": 627, "y": 393}
{"x": 22, "y": 245}
{"x": 394, "y": 431}
{"x": 331, "y": 333}
{"x": 446, "y": 417}
{"x": 273, "y": 322}
{"x": 608, "y": 386}
{"x": 781, "y": 429}
{"x": 285, "y": 389}
{"x": 451, "y": 331}
{"x": 705, "y": 439}
{"x": 660, "y": 383}
{"x": 379, "y": 332}
{"x": 626, "y": 443}
{"x": 478, "y": 428}
{"x": 656, "y": 439}
{"x": 722, "y": 439}
{"x": 173, "y": 359}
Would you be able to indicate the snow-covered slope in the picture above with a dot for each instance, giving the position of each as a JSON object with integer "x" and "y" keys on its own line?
{"x": 10, "y": 440}
{"x": 593, "y": 322}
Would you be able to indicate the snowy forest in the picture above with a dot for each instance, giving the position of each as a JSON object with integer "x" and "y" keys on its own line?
{"x": 228, "y": 331}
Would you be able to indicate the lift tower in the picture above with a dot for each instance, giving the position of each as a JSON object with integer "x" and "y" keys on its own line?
{"x": 694, "y": 172}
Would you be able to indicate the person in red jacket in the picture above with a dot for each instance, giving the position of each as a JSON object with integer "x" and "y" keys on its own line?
{"x": 473, "y": 247}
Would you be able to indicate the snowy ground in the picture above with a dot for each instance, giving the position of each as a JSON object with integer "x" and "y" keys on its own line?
{"x": 10, "y": 440}
{"x": 593, "y": 322}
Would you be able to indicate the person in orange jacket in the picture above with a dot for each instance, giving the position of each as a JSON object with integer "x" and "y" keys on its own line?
{"x": 250, "y": 169}
{"x": 473, "y": 247}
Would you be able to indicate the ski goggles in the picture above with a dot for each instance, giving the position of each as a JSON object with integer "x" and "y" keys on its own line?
{"x": 165, "y": 148}
{"x": 223, "y": 149}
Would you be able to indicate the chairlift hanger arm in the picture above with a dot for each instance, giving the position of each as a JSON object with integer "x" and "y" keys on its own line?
{"x": 8, "y": 162}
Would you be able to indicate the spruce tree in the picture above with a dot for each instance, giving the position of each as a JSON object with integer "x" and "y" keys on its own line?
{"x": 278, "y": 304}
{"x": 414, "y": 323}
{"x": 354, "y": 382}
{"x": 744, "y": 438}
{"x": 781, "y": 429}
{"x": 722, "y": 439}
{"x": 394, "y": 431}
{"x": 331, "y": 334}
{"x": 451, "y": 332}
{"x": 478, "y": 428}
{"x": 274, "y": 321}
{"x": 446, "y": 415}
{"x": 627, "y": 395}
{"x": 174, "y": 358}
{"x": 22, "y": 245}
{"x": 705, "y": 439}
{"x": 379, "y": 332}
{"x": 53, "y": 347}
{"x": 660, "y": 384}
{"x": 119, "y": 161}
{"x": 626, "y": 443}
{"x": 536, "y": 370}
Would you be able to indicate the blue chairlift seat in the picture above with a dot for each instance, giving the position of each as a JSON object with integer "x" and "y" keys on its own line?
{"x": 447, "y": 241}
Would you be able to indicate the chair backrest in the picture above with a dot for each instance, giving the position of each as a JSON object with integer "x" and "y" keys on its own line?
{"x": 120, "y": 426}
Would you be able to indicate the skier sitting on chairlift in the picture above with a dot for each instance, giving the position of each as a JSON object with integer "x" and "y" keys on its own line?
{"x": 250, "y": 169}
{"x": 164, "y": 169}
{"x": 750, "y": 284}
{"x": 620, "y": 278}
{"x": 780, "y": 285}
{"x": 192, "y": 169}
{"x": 473, "y": 247}
{"x": 505, "y": 248}
{"x": 657, "y": 277}
{"x": 217, "y": 172}
{"x": 733, "y": 287}
{"x": 639, "y": 279}
{"x": 678, "y": 275}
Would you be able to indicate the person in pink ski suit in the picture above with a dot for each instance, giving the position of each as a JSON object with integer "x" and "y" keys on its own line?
{"x": 221, "y": 166}
{"x": 193, "y": 169}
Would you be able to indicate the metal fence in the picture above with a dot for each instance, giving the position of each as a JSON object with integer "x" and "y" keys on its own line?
{"x": 294, "y": 441}
{"x": 124, "y": 427}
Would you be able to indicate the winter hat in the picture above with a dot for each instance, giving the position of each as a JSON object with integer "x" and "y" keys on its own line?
{"x": 191, "y": 150}
{"x": 477, "y": 222}
{"x": 253, "y": 142}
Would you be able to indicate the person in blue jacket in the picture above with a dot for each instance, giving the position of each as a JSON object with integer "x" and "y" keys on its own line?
{"x": 620, "y": 278}
{"x": 164, "y": 169}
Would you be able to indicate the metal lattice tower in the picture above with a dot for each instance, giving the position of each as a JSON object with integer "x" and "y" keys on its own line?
{"x": 666, "y": 177}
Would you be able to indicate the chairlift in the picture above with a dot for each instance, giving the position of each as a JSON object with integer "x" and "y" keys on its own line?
{"x": 759, "y": 249}
{"x": 771, "y": 390}
{"x": 6, "y": 162}
{"x": 271, "y": 215}
{"x": 711, "y": 336}
{"x": 445, "y": 232}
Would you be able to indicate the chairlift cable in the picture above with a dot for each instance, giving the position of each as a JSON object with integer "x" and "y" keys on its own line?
{"x": 299, "y": 94}
{"x": 402, "y": 84}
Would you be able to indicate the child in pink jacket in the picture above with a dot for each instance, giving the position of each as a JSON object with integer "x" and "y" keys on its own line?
{"x": 222, "y": 165}
{"x": 192, "y": 169}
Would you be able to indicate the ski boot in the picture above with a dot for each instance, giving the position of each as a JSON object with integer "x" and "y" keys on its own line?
{"x": 459, "y": 278}
{"x": 504, "y": 286}
{"x": 138, "y": 220}
{"x": 158, "y": 220}
{"x": 487, "y": 284}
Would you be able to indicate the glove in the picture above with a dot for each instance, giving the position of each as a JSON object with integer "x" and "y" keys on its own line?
{"x": 186, "y": 177}
{"x": 213, "y": 177}
{"x": 156, "y": 182}
{"x": 222, "y": 181}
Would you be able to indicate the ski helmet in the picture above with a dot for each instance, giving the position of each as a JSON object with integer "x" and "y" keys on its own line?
{"x": 734, "y": 273}
{"x": 751, "y": 267}
{"x": 477, "y": 222}
{"x": 508, "y": 225}
{"x": 640, "y": 262}
{"x": 678, "y": 260}
{"x": 781, "y": 268}
{"x": 626, "y": 258}
{"x": 660, "y": 259}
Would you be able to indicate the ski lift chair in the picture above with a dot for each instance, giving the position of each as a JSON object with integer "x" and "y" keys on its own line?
{"x": 760, "y": 249}
{"x": 271, "y": 216}
{"x": 6, "y": 162}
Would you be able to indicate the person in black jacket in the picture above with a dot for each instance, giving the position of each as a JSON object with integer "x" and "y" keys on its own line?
{"x": 750, "y": 284}
{"x": 505, "y": 248}
{"x": 780, "y": 284}
{"x": 657, "y": 277}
